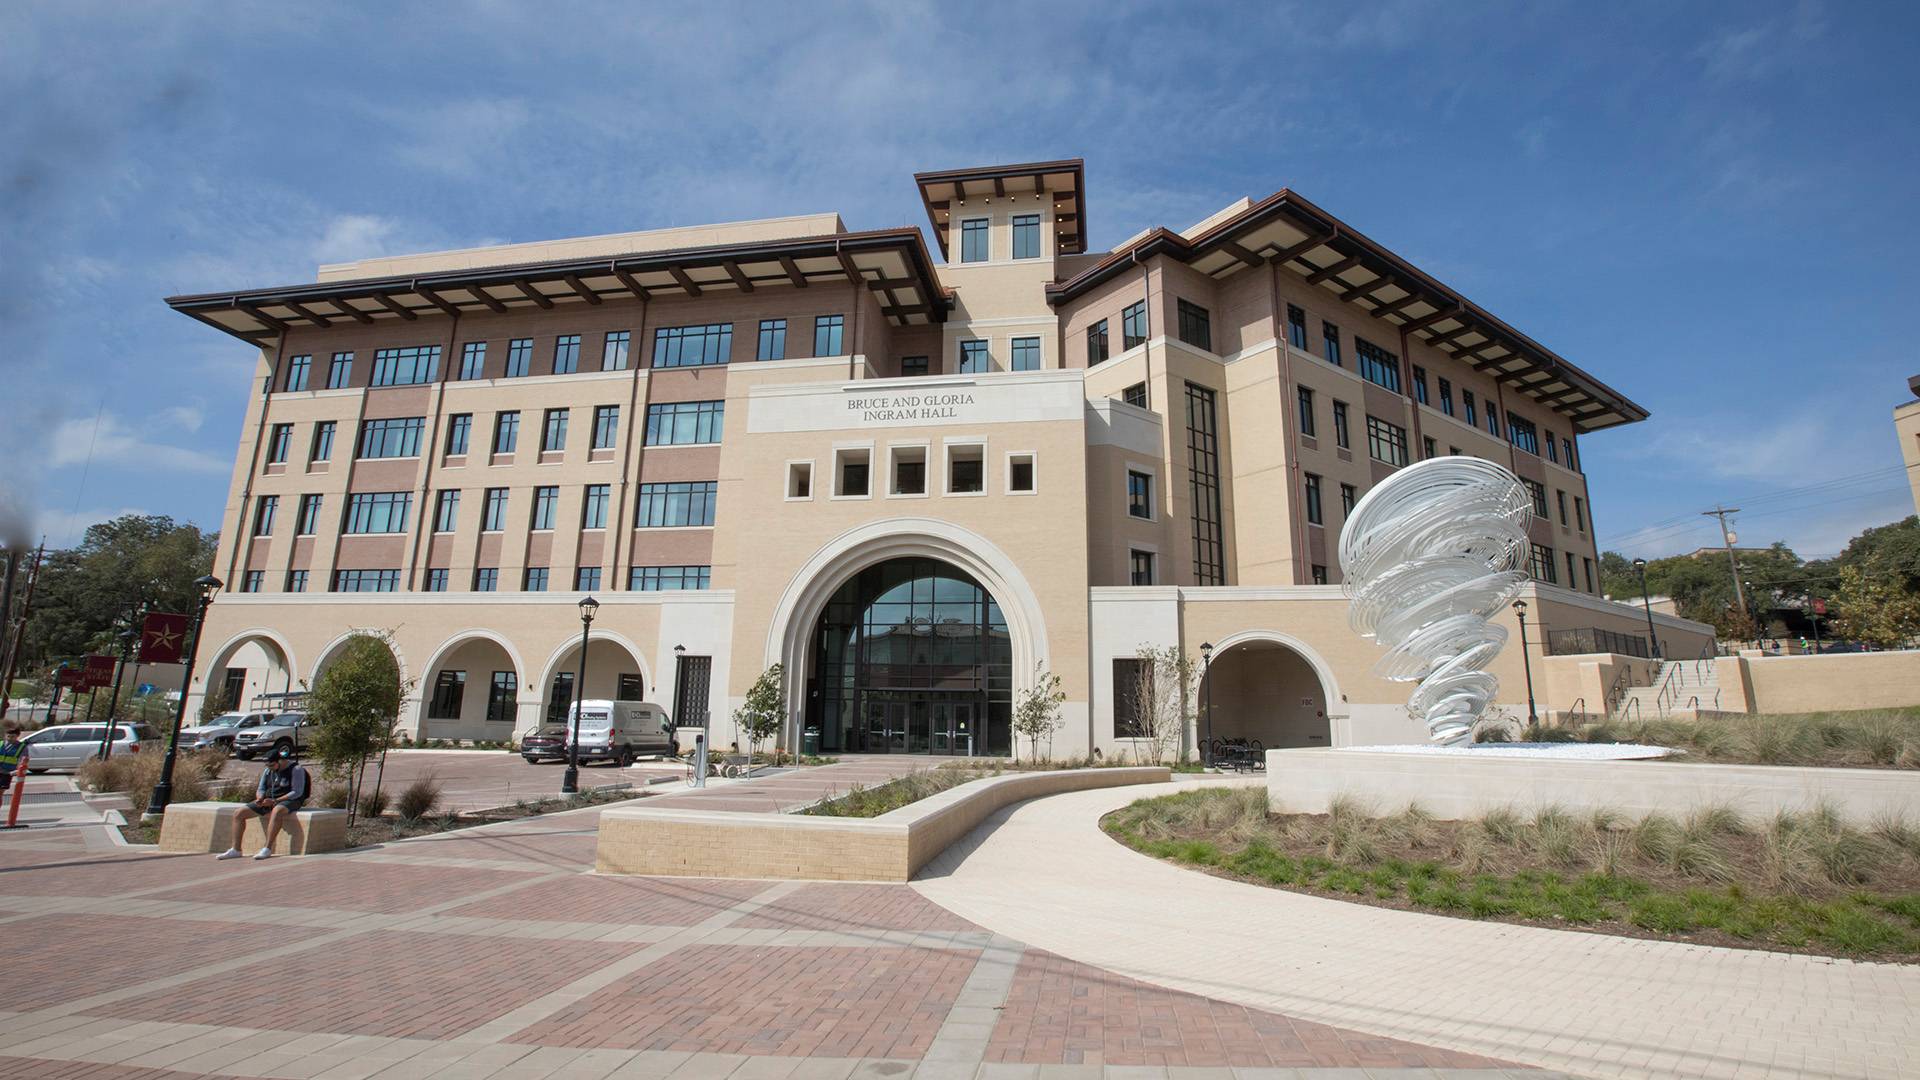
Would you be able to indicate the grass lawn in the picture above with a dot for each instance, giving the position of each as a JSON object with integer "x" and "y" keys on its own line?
{"x": 1803, "y": 882}
{"x": 1872, "y": 738}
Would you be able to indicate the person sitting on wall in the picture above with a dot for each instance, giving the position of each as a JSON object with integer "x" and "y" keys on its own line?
{"x": 283, "y": 789}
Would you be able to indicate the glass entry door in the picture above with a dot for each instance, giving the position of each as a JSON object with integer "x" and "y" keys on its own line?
{"x": 953, "y": 725}
{"x": 887, "y": 723}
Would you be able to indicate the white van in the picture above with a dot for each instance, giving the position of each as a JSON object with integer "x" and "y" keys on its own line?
{"x": 619, "y": 731}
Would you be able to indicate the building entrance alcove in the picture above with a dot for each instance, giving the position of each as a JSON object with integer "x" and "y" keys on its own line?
{"x": 614, "y": 673}
{"x": 1265, "y": 691}
{"x": 472, "y": 691}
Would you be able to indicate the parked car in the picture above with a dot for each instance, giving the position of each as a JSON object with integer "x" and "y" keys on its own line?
{"x": 218, "y": 733}
{"x": 70, "y": 746}
{"x": 287, "y": 731}
{"x": 548, "y": 742}
{"x": 610, "y": 731}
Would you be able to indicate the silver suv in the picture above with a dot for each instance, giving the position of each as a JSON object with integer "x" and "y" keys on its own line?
{"x": 288, "y": 731}
{"x": 218, "y": 733}
{"x": 69, "y": 746}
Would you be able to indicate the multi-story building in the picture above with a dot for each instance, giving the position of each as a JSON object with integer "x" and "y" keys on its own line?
{"x": 912, "y": 483}
{"x": 1906, "y": 425}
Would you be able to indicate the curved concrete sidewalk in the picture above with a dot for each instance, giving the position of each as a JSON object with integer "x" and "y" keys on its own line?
{"x": 1594, "y": 1004}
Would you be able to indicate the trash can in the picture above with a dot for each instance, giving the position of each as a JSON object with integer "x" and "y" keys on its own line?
{"x": 810, "y": 742}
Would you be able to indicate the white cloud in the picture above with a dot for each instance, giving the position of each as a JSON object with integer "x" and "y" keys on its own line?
{"x": 138, "y": 446}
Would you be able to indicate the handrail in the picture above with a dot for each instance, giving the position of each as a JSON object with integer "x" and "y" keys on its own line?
{"x": 1632, "y": 710}
{"x": 1668, "y": 692}
{"x": 1618, "y": 688}
{"x": 1579, "y": 709}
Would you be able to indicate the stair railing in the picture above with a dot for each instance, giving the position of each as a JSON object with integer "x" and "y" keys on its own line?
{"x": 1669, "y": 690}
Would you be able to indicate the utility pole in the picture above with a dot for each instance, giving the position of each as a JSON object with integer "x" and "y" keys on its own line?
{"x": 1726, "y": 537}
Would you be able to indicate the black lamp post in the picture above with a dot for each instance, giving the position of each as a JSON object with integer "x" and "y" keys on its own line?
{"x": 125, "y": 638}
{"x": 571, "y": 783}
{"x": 1526, "y": 662}
{"x": 1646, "y": 602}
{"x": 163, "y": 791}
{"x": 1206, "y": 704}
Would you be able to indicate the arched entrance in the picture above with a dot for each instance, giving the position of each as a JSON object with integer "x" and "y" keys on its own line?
{"x": 472, "y": 689}
{"x": 614, "y": 673}
{"x": 1262, "y": 689}
{"x": 911, "y": 655}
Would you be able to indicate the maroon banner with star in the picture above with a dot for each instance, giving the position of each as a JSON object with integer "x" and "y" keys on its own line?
{"x": 98, "y": 674}
{"x": 163, "y": 638}
{"x": 68, "y": 677}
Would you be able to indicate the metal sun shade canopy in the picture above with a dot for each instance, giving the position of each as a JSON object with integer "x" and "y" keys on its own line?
{"x": 1059, "y": 183}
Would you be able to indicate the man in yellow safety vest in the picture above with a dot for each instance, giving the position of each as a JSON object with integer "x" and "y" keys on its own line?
{"x": 10, "y": 750}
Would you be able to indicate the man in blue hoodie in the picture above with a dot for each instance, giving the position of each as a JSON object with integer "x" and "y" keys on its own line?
{"x": 283, "y": 789}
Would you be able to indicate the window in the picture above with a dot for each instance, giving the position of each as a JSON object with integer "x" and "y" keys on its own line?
{"x": 1566, "y": 451}
{"x": 501, "y": 696}
{"x": 1540, "y": 564}
{"x": 296, "y": 581}
{"x": 911, "y": 366}
{"x": 828, "y": 331}
{"x": 1386, "y": 442}
{"x": 395, "y": 438}
{"x": 613, "y": 353}
{"x": 1377, "y": 365}
{"x": 459, "y": 429}
{"x": 438, "y": 579}
{"x": 1132, "y": 697}
{"x": 1133, "y": 325}
{"x": 1305, "y": 417}
{"x": 973, "y": 240}
{"x": 683, "y": 423}
{"x": 1342, "y": 437}
{"x": 378, "y": 512}
{"x": 506, "y": 432}
{"x": 307, "y": 522}
{"x": 1097, "y": 344}
{"x": 773, "y": 339}
{"x": 1493, "y": 421}
{"x": 493, "y": 517}
{"x": 1572, "y": 581}
{"x": 850, "y": 470}
{"x": 406, "y": 367}
{"x": 473, "y": 360}
{"x": 1453, "y": 451}
{"x": 1419, "y": 384}
{"x": 586, "y": 579}
{"x": 1561, "y": 498}
{"x": 909, "y": 470}
{"x": 366, "y": 581}
{"x": 1296, "y": 327}
{"x": 298, "y": 369}
{"x": 535, "y": 579}
{"x": 593, "y": 507}
{"x": 1196, "y": 326}
{"x": 800, "y": 480}
{"x": 1580, "y": 513}
{"x": 1139, "y": 567}
{"x": 322, "y": 448}
{"x": 546, "y": 506}
{"x": 1313, "y": 499}
{"x": 1139, "y": 494}
{"x": 252, "y": 581}
{"x": 279, "y": 441}
{"x": 1466, "y": 403}
{"x": 1319, "y": 574}
{"x": 1020, "y": 473}
{"x": 693, "y": 677}
{"x": 1446, "y": 397}
{"x": 606, "y": 426}
{"x": 566, "y": 354}
{"x": 1427, "y": 445}
{"x": 692, "y": 346}
{"x": 668, "y": 578}
{"x": 553, "y": 434}
{"x": 675, "y": 505}
{"x": 263, "y": 511}
{"x": 446, "y": 510}
{"x": 1586, "y": 564}
{"x": 519, "y": 357}
{"x": 1348, "y": 496}
{"x": 966, "y": 470}
{"x": 1523, "y": 435}
{"x": 1026, "y": 354}
{"x": 340, "y": 371}
{"x": 1330, "y": 343}
{"x": 559, "y": 697}
{"x": 486, "y": 579}
{"x": 1135, "y": 395}
{"x": 1026, "y": 236}
{"x": 1203, "y": 478}
{"x": 449, "y": 687}
{"x": 973, "y": 358}
{"x": 1539, "y": 494}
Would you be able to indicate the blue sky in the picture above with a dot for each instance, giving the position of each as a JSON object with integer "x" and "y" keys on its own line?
{"x": 1711, "y": 207}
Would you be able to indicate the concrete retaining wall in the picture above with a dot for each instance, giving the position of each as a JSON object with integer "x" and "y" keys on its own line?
{"x": 1307, "y": 781}
{"x": 208, "y": 827}
{"x": 710, "y": 843}
{"x": 1819, "y": 683}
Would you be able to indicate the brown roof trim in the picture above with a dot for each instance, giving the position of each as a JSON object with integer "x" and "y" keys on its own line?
{"x": 1076, "y": 243}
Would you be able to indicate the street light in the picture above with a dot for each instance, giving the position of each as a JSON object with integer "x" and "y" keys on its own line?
{"x": 125, "y": 638}
{"x": 1206, "y": 705}
{"x": 163, "y": 791}
{"x": 571, "y": 783}
{"x": 1526, "y": 662}
{"x": 1640, "y": 567}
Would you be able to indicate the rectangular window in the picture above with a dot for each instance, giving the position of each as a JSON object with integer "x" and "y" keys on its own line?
{"x": 410, "y": 366}
{"x": 1196, "y": 326}
{"x": 366, "y": 581}
{"x": 1139, "y": 495}
{"x": 1466, "y": 404}
{"x": 1097, "y": 344}
{"x": 322, "y": 448}
{"x": 674, "y": 505}
{"x": 502, "y": 696}
{"x": 1419, "y": 384}
{"x": 535, "y": 579}
{"x": 1026, "y": 236}
{"x": 1377, "y": 365}
{"x": 254, "y": 581}
{"x": 593, "y": 509}
{"x": 1139, "y": 567}
{"x": 438, "y": 579}
{"x": 692, "y": 346}
{"x": 912, "y": 366}
{"x": 566, "y": 354}
{"x": 1553, "y": 452}
{"x": 773, "y": 339}
{"x": 1539, "y": 493}
{"x": 308, "y": 521}
{"x": 973, "y": 358}
{"x": 473, "y": 360}
{"x": 1133, "y": 325}
{"x": 519, "y": 357}
{"x": 296, "y": 581}
{"x": 613, "y": 352}
{"x": 493, "y": 517}
{"x": 553, "y": 432}
{"x": 1493, "y": 421}
{"x": 1523, "y": 435}
{"x": 1297, "y": 327}
{"x": 392, "y": 438}
{"x": 1330, "y": 343}
{"x": 449, "y": 689}
{"x": 606, "y": 426}
{"x": 1135, "y": 395}
{"x": 1572, "y": 581}
{"x": 1586, "y": 565}
{"x": 1342, "y": 437}
{"x": 668, "y": 578}
{"x": 298, "y": 369}
{"x": 1313, "y": 499}
{"x": 546, "y": 507}
{"x": 692, "y": 683}
{"x": 851, "y": 471}
{"x": 377, "y": 512}
{"x": 909, "y": 470}
{"x": 1305, "y": 417}
{"x": 966, "y": 470}
{"x": 1132, "y": 697}
{"x": 1020, "y": 472}
{"x": 1386, "y": 442}
{"x": 973, "y": 240}
{"x": 506, "y": 432}
{"x": 828, "y": 332}
{"x": 459, "y": 429}
{"x": 1540, "y": 564}
{"x": 486, "y": 579}
{"x": 1319, "y": 574}
{"x": 800, "y": 480}
{"x": 1203, "y": 477}
{"x": 340, "y": 371}
{"x": 586, "y": 579}
{"x": 1348, "y": 496}
{"x": 682, "y": 423}
{"x": 279, "y": 443}
{"x": 1427, "y": 445}
{"x": 1561, "y": 498}
{"x": 263, "y": 511}
{"x": 1026, "y": 354}
{"x": 1446, "y": 397}
{"x": 1580, "y": 513}
{"x": 1566, "y": 455}
{"x": 446, "y": 510}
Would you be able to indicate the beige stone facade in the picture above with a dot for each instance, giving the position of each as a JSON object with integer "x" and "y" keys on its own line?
{"x": 774, "y": 427}
{"x": 1906, "y": 425}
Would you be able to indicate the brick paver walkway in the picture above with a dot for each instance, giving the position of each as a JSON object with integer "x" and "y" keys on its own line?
{"x": 495, "y": 954}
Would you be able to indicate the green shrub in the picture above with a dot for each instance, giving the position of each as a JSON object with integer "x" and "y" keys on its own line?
{"x": 374, "y": 803}
{"x": 335, "y": 797}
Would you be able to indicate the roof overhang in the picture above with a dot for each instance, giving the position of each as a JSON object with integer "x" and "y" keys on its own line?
{"x": 1061, "y": 182}
{"x": 1288, "y": 231}
{"x": 893, "y": 263}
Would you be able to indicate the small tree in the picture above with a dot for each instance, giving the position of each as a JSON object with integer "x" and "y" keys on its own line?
{"x": 1160, "y": 703}
{"x": 1036, "y": 712}
{"x": 764, "y": 713}
{"x": 355, "y": 705}
{"x": 1875, "y": 608}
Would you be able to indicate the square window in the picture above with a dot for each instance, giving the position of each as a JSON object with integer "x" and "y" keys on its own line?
{"x": 800, "y": 480}
{"x": 437, "y": 579}
{"x": 1135, "y": 395}
{"x": 486, "y": 579}
{"x": 1020, "y": 477}
{"x": 966, "y": 469}
{"x": 536, "y": 580}
{"x": 850, "y": 471}
{"x": 909, "y": 470}
{"x": 587, "y": 579}
{"x": 1026, "y": 354}
{"x": 296, "y": 581}
{"x": 973, "y": 358}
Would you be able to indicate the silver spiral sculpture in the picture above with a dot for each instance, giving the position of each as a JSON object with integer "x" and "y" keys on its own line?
{"x": 1429, "y": 556}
